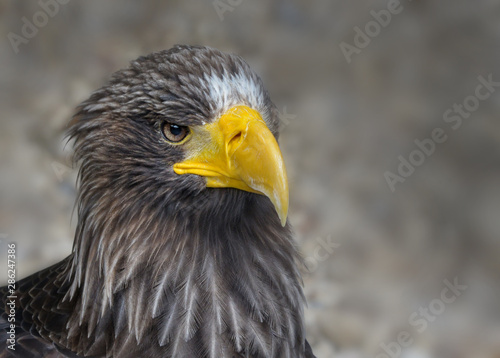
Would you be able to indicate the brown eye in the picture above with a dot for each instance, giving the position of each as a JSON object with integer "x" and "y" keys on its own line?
{"x": 174, "y": 133}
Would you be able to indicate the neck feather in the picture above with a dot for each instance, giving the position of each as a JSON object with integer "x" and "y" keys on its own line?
{"x": 218, "y": 273}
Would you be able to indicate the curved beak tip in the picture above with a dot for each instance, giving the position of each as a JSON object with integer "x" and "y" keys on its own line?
{"x": 283, "y": 218}
{"x": 279, "y": 198}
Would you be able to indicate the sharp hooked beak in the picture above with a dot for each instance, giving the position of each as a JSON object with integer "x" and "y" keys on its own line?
{"x": 239, "y": 151}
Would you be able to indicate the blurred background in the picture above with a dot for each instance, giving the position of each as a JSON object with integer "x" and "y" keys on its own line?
{"x": 381, "y": 248}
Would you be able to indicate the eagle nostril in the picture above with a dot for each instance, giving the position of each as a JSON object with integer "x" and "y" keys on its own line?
{"x": 234, "y": 142}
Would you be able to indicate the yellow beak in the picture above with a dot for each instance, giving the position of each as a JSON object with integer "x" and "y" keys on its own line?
{"x": 239, "y": 151}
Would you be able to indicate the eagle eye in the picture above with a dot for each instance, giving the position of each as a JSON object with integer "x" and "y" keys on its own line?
{"x": 174, "y": 133}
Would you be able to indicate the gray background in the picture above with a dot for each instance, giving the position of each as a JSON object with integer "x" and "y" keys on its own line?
{"x": 348, "y": 123}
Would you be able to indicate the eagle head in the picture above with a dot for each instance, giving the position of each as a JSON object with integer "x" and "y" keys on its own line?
{"x": 177, "y": 124}
{"x": 182, "y": 246}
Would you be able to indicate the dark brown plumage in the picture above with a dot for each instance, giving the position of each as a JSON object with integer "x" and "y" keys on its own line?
{"x": 162, "y": 265}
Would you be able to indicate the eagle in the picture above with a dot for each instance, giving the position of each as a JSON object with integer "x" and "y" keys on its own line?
{"x": 182, "y": 246}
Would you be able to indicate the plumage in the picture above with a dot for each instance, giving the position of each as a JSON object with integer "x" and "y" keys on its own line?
{"x": 163, "y": 264}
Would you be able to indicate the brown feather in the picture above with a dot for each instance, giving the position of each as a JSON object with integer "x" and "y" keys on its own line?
{"x": 161, "y": 265}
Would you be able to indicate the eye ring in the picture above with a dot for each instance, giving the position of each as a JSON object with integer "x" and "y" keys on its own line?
{"x": 174, "y": 133}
